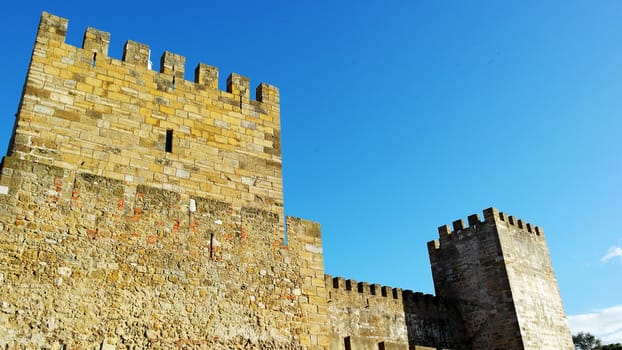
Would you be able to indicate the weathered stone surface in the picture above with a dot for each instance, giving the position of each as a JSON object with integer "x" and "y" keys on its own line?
{"x": 139, "y": 210}
{"x": 498, "y": 274}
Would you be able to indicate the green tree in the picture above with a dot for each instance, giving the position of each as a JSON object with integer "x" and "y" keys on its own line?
{"x": 616, "y": 346}
{"x": 585, "y": 341}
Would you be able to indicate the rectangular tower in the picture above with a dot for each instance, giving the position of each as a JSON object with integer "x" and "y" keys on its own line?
{"x": 139, "y": 209}
{"x": 498, "y": 274}
{"x": 86, "y": 112}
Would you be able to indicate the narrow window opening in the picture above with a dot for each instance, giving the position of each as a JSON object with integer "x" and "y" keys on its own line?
{"x": 94, "y": 59}
{"x": 381, "y": 345}
{"x": 211, "y": 246}
{"x": 346, "y": 343}
{"x": 169, "y": 141}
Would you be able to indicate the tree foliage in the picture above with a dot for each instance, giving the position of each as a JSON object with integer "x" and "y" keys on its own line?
{"x": 587, "y": 341}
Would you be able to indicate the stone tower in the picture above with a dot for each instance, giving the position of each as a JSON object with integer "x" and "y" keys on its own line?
{"x": 498, "y": 274}
{"x": 142, "y": 210}
{"x": 139, "y": 209}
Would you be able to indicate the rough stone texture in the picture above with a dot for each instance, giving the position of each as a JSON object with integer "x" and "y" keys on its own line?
{"x": 372, "y": 316}
{"x": 361, "y": 312}
{"x": 104, "y": 116}
{"x": 498, "y": 275}
{"x": 109, "y": 241}
{"x": 140, "y": 210}
{"x": 535, "y": 292}
{"x": 87, "y": 258}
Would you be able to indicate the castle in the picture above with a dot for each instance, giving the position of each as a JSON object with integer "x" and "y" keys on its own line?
{"x": 140, "y": 210}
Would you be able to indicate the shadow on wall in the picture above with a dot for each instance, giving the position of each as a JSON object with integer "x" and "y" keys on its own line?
{"x": 430, "y": 322}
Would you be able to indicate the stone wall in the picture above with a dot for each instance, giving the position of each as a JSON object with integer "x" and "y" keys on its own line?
{"x": 84, "y": 111}
{"x": 305, "y": 246}
{"x": 366, "y": 315}
{"x": 90, "y": 261}
{"x": 140, "y": 210}
{"x": 505, "y": 298}
{"x": 371, "y": 316}
{"x": 537, "y": 300}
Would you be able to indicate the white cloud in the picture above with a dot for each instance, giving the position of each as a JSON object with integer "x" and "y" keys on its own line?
{"x": 613, "y": 252}
{"x": 605, "y": 324}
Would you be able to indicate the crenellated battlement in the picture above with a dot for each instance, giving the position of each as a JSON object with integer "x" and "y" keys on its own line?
{"x": 85, "y": 111}
{"x": 419, "y": 299}
{"x": 376, "y": 290}
{"x": 496, "y": 270}
{"x": 125, "y": 187}
{"x": 491, "y": 216}
{"x": 95, "y": 44}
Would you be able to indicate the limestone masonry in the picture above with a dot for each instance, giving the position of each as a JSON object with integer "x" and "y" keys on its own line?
{"x": 140, "y": 210}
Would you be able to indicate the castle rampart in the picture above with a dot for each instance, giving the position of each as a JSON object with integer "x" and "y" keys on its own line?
{"x": 491, "y": 215}
{"x": 369, "y": 316}
{"x": 87, "y": 112}
{"x": 141, "y": 210}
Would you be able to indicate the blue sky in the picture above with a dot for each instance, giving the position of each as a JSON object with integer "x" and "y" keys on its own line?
{"x": 401, "y": 116}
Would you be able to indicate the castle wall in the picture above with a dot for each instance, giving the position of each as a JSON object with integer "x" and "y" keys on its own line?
{"x": 90, "y": 261}
{"x": 305, "y": 247}
{"x": 141, "y": 210}
{"x": 84, "y": 111}
{"x": 370, "y": 316}
{"x": 367, "y": 318}
{"x": 116, "y": 235}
